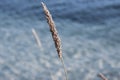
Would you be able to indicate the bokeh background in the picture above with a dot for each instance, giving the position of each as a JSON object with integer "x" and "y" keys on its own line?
{"x": 89, "y": 31}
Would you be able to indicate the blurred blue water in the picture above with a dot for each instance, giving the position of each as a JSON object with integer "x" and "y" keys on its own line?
{"x": 89, "y": 30}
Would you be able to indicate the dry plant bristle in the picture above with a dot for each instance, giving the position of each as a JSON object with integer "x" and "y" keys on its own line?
{"x": 102, "y": 76}
{"x": 53, "y": 30}
{"x": 37, "y": 38}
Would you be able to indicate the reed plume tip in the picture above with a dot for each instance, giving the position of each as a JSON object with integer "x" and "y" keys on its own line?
{"x": 102, "y": 76}
{"x": 42, "y": 3}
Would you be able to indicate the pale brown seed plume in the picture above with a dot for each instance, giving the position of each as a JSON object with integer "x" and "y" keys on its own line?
{"x": 53, "y": 30}
{"x": 102, "y": 76}
{"x": 54, "y": 35}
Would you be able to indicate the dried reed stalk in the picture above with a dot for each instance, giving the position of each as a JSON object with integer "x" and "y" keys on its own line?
{"x": 53, "y": 30}
{"x": 37, "y": 39}
{"x": 102, "y": 76}
{"x": 55, "y": 36}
